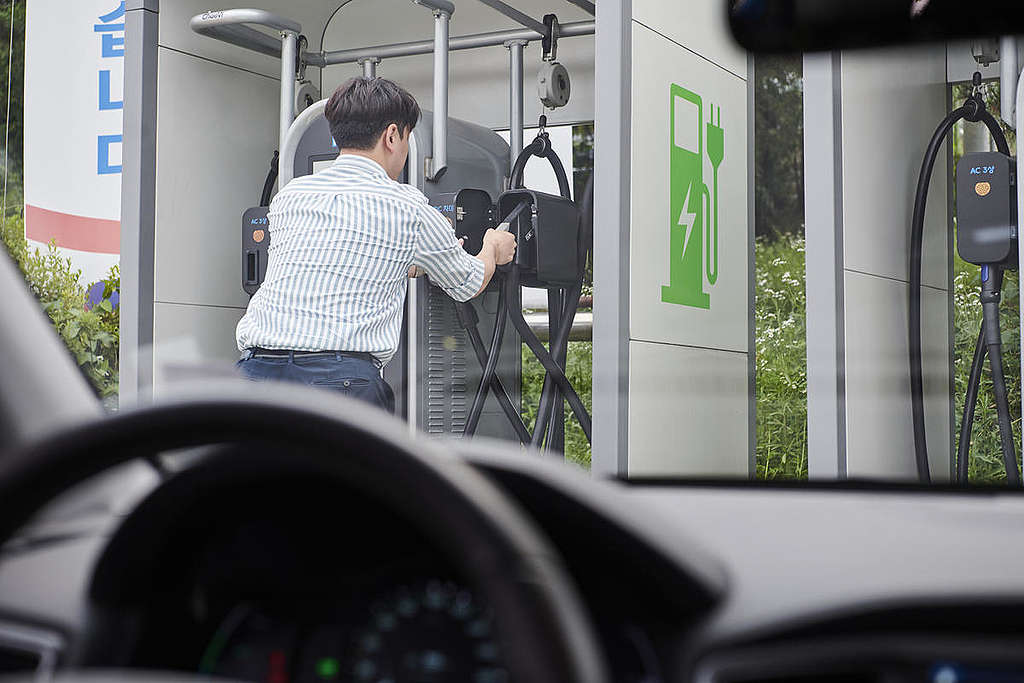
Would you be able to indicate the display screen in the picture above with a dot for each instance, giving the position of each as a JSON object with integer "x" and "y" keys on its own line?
{"x": 321, "y": 165}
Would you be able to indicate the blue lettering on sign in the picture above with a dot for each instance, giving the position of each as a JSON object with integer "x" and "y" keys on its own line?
{"x": 112, "y": 45}
{"x": 111, "y": 28}
{"x": 103, "y": 165}
{"x": 105, "y": 101}
{"x": 258, "y": 221}
{"x": 983, "y": 170}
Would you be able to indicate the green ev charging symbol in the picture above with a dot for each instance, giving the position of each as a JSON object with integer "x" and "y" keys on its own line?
{"x": 693, "y": 247}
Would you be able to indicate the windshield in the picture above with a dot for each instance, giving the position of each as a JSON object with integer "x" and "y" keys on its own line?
{"x": 722, "y": 267}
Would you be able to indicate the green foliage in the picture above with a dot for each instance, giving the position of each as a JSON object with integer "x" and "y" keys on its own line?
{"x": 985, "y": 465}
{"x": 778, "y": 145}
{"x": 781, "y": 343}
{"x": 578, "y": 370}
{"x": 781, "y": 364}
{"x": 583, "y": 169}
{"x": 92, "y": 336}
{"x": 17, "y": 70}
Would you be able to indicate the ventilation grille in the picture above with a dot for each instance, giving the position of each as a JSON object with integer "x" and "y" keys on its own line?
{"x": 446, "y": 371}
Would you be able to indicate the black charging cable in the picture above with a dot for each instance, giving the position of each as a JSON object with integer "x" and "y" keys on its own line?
{"x": 963, "y": 448}
{"x": 560, "y": 334}
{"x": 469, "y": 320}
{"x": 268, "y": 184}
{"x": 973, "y": 110}
{"x": 490, "y": 358}
{"x": 991, "y": 283}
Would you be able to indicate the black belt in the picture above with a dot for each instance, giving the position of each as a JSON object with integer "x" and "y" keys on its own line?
{"x": 360, "y": 355}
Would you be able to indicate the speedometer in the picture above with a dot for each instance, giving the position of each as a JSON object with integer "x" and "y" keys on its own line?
{"x": 430, "y": 632}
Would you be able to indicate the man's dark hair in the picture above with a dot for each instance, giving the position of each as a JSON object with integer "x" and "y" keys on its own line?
{"x": 361, "y": 109}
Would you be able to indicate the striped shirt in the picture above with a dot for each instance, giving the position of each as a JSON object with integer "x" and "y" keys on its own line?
{"x": 341, "y": 245}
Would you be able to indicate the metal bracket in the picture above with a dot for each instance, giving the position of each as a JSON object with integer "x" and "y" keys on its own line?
{"x": 300, "y": 65}
{"x": 549, "y": 42}
{"x": 442, "y": 6}
{"x": 369, "y": 65}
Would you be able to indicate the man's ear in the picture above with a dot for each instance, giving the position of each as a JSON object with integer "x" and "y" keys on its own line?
{"x": 391, "y": 136}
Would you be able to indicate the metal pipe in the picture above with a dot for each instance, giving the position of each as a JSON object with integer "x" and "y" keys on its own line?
{"x": 369, "y": 65}
{"x": 423, "y": 47}
{"x": 515, "y": 15}
{"x": 582, "y": 326}
{"x": 235, "y": 26}
{"x": 290, "y": 146}
{"x": 1008, "y": 73}
{"x": 289, "y": 45}
{"x": 439, "y": 154}
{"x": 1019, "y": 120}
{"x": 515, "y": 91}
{"x": 412, "y": 407}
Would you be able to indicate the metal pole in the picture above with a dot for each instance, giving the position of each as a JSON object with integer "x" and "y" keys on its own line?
{"x": 1019, "y": 121}
{"x": 515, "y": 90}
{"x": 439, "y": 158}
{"x": 369, "y": 66}
{"x": 423, "y": 47}
{"x": 1008, "y": 74}
{"x": 289, "y": 43}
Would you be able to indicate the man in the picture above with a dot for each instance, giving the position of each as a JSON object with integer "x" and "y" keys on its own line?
{"x": 343, "y": 244}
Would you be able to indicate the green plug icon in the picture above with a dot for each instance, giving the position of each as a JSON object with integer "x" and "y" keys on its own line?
{"x": 716, "y": 153}
{"x": 693, "y": 228}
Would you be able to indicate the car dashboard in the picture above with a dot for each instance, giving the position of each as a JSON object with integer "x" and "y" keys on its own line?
{"x": 291, "y": 579}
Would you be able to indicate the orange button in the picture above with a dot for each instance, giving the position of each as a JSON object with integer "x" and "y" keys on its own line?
{"x": 258, "y": 235}
{"x": 982, "y": 189}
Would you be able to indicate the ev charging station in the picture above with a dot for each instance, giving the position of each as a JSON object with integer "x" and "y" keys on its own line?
{"x": 673, "y": 322}
{"x": 214, "y": 76}
{"x": 207, "y": 99}
{"x": 860, "y": 205}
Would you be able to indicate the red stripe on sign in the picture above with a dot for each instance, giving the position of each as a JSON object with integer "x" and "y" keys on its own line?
{"x": 73, "y": 232}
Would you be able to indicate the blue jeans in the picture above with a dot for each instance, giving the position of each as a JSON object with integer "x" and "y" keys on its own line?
{"x": 354, "y": 377}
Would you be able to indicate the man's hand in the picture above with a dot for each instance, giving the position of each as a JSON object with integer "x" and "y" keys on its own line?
{"x": 499, "y": 248}
{"x": 501, "y": 244}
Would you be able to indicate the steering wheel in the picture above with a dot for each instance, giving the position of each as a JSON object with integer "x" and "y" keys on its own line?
{"x": 543, "y": 628}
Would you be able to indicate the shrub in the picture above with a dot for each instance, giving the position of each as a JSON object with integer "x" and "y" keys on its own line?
{"x": 90, "y": 334}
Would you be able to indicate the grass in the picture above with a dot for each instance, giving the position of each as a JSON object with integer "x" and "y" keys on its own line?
{"x": 782, "y": 358}
{"x": 985, "y": 465}
{"x": 578, "y": 370}
{"x": 781, "y": 346}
